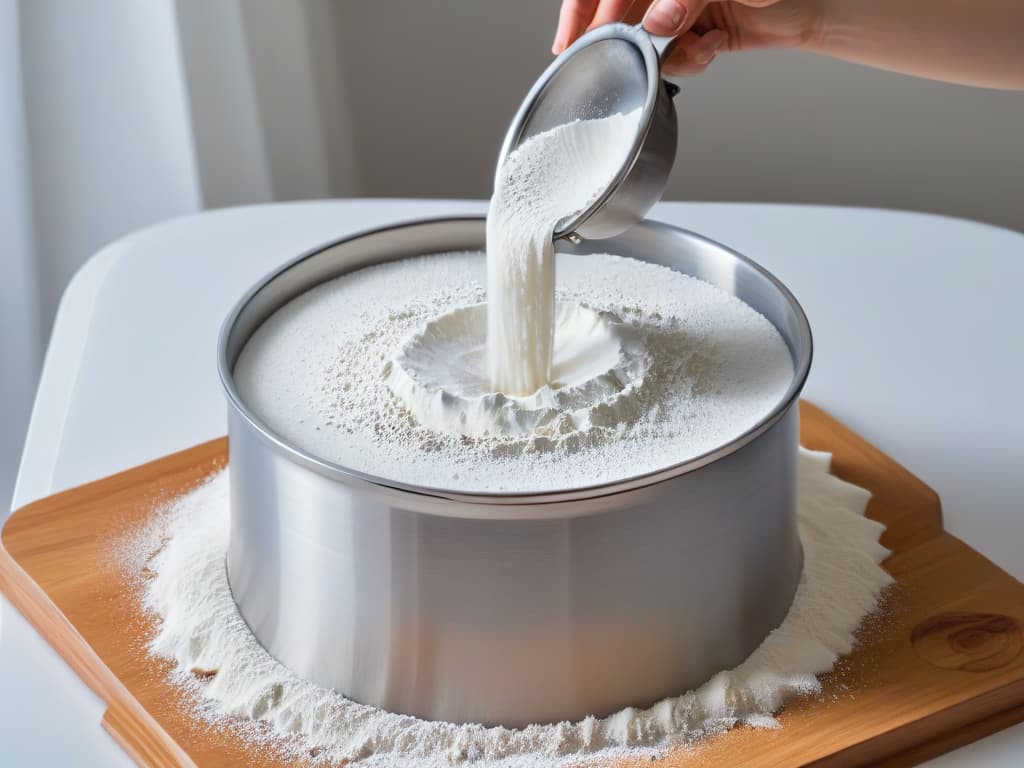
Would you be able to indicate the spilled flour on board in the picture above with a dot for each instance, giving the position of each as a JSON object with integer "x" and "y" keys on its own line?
{"x": 229, "y": 676}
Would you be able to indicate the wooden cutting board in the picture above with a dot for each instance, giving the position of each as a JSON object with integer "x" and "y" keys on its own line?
{"x": 942, "y": 667}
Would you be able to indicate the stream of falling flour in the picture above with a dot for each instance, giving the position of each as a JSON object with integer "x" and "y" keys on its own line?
{"x": 550, "y": 177}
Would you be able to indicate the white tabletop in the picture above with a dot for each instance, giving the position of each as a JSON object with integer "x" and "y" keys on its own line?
{"x": 919, "y": 346}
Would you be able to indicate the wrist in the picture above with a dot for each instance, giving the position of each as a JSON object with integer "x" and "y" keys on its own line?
{"x": 830, "y": 26}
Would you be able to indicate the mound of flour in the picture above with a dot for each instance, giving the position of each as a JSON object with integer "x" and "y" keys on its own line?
{"x": 233, "y": 680}
{"x": 597, "y": 364}
{"x": 321, "y": 372}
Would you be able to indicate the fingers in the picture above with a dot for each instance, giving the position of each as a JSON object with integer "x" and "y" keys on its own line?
{"x": 674, "y": 17}
{"x": 578, "y": 16}
{"x": 671, "y": 18}
{"x": 572, "y": 20}
{"x": 609, "y": 11}
{"x": 691, "y": 53}
{"x": 636, "y": 12}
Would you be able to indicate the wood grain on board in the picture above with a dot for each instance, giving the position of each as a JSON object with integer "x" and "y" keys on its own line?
{"x": 941, "y": 667}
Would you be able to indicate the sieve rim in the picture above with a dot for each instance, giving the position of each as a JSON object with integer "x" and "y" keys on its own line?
{"x": 652, "y": 65}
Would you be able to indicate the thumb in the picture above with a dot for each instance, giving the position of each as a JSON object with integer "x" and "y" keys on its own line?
{"x": 669, "y": 18}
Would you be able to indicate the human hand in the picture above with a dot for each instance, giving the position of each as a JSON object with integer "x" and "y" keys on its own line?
{"x": 702, "y": 28}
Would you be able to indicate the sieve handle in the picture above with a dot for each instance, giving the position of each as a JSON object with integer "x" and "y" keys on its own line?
{"x": 659, "y": 42}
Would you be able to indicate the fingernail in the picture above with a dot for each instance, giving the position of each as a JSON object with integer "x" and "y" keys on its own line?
{"x": 665, "y": 17}
{"x": 559, "y": 45}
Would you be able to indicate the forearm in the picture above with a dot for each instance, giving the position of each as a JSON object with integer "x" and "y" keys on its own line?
{"x": 975, "y": 42}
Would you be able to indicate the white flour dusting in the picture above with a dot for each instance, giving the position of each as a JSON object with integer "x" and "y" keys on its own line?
{"x": 321, "y": 373}
{"x": 219, "y": 660}
{"x": 549, "y": 177}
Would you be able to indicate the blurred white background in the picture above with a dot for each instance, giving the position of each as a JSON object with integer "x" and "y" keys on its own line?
{"x": 116, "y": 114}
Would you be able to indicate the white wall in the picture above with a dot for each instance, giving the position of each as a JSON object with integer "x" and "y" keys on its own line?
{"x": 266, "y": 104}
{"x": 108, "y": 149}
{"x": 432, "y": 86}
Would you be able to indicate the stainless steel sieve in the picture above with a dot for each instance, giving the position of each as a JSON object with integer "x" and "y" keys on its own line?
{"x": 514, "y": 608}
{"x": 610, "y": 70}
